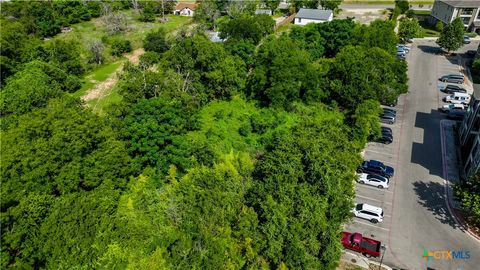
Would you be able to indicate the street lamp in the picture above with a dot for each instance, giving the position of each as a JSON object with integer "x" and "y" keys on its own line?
{"x": 383, "y": 247}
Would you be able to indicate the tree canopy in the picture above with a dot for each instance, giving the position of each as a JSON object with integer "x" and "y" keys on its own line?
{"x": 451, "y": 37}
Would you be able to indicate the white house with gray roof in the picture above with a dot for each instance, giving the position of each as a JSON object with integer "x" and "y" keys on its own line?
{"x": 448, "y": 10}
{"x": 305, "y": 16}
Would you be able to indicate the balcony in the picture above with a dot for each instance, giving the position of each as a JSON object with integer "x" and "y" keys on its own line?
{"x": 466, "y": 12}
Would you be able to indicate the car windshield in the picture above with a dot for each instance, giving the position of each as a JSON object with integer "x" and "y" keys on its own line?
{"x": 359, "y": 207}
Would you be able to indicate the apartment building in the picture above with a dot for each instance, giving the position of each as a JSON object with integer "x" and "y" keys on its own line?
{"x": 470, "y": 136}
{"x": 447, "y": 11}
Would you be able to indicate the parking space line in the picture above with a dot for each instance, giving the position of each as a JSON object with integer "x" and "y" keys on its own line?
{"x": 378, "y": 152}
{"x": 371, "y": 225}
{"x": 375, "y": 188}
{"x": 368, "y": 198}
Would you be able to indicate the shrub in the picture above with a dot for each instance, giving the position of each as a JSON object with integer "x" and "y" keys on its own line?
{"x": 121, "y": 46}
{"x": 439, "y": 26}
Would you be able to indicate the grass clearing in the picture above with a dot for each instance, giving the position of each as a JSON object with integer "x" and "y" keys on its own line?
{"x": 428, "y": 30}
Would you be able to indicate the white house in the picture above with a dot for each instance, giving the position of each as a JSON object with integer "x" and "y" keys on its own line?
{"x": 306, "y": 15}
{"x": 185, "y": 9}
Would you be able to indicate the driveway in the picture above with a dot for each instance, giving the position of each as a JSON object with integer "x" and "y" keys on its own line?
{"x": 417, "y": 217}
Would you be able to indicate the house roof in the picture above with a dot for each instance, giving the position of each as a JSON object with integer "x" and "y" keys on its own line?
{"x": 263, "y": 11}
{"x": 181, "y": 6}
{"x": 315, "y": 14}
{"x": 462, "y": 3}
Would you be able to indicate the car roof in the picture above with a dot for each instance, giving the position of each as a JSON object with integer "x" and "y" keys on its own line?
{"x": 371, "y": 208}
{"x": 376, "y": 162}
{"x": 454, "y": 75}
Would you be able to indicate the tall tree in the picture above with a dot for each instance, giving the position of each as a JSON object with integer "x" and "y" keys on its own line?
{"x": 409, "y": 28}
{"x": 451, "y": 37}
{"x": 330, "y": 4}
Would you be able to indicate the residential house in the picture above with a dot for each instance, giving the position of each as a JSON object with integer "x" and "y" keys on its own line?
{"x": 447, "y": 11}
{"x": 305, "y": 16}
{"x": 470, "y": 136}
{"x": 185, "y": 9}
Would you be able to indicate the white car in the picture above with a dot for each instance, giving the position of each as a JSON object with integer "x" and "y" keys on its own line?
{"x": 373, "y": 180}
{"x": 368, "y": 212}
{"x": 451, "y": 107}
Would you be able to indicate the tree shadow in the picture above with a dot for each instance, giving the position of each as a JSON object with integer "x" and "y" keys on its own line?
{"x": 428, "y": 154}
{"x": 431, "y": 195}
{"x": 431, "y": 49}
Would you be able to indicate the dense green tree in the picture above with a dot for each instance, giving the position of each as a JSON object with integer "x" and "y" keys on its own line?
{"x": 206, "y": 67}
{"x": 366, "y": 121}
{"x": 451, "y": 37}
{"x": 468, "y": 194}
{"x": 283, "y": 73}
{"x": 402, "y": 5}
{"x": 156, "y": 41}
{"x": 207, "y": 12}
{"x": 296, "y": 187}
{"x": 250, "y": 28}
{"x": 330, "y": 4}
{"x": 408, "y": 28}
{"x": 271, "y": 4}
{"x": 121, "y": 46}
{"x": 154, "y": 129}
{"x": 243, "y": 49}
{"x": 378, "y": 34}
{"x": 359, "y": 74}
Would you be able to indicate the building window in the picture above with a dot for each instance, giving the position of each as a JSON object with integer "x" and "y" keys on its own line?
{"x": 466, "y": 11}
{"x": 299, "y": 20}
{"x": 466, "y": 20}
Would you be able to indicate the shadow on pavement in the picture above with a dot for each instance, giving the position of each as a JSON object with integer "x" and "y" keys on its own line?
{"x": 431, "y": 195}
{"x": 428, "y": 154}
{"x": 431, "y": 49}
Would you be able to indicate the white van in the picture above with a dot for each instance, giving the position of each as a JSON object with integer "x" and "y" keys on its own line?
{"x": 458, "y": 98}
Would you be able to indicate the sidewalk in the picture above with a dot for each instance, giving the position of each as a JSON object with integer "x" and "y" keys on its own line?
{"x": 450, "y": 173}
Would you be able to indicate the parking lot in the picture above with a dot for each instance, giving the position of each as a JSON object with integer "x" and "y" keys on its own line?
{"x": 416, "y": 217}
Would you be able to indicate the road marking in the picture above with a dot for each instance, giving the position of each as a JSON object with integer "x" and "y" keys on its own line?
{"x": 375, "y": 188}
{"x": 378, "y": 152}
{"x": 356, "y": 221}
{"x": 368, "y": 198}
{"x": 387, "y": 216}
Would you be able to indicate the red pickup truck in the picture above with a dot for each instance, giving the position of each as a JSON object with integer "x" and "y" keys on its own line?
{"x": 356, "y": 242}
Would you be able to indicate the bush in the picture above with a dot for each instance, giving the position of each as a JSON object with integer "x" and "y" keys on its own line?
{"x": 439, "y": 26}
{"x": 148, "y": 59}
{"x": 121, "y": 46}
{"x": 156, "y": 41}
{"x": 72, "y": 84}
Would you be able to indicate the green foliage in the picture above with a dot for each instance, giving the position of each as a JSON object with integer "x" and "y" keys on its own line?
{"x": 34, "y": 86}
{"x": 325, "y": 38}
{"x": 330, "y": 4}
{"x": 295, "y": 192}
{"x": 121, "y": 46}
{"x": 244, "y": 49}
{"x": 366, "y": 121}
{"x": 439, "y": 26}
{"x": 148, "y": 59}
{"x": 451, "y": 37}
{"x": 207, "y": 67}
{"x": 283, "y": 73}
{"x": 271, "y": 4}
{"x": 409, "y": 28}
{"x": 154, "y": 128}
{"x": 248, "y": 28}
{"x": 359, "y": 74}
{"x": 378, "y": 34}
{"x": 468, "y": 193}
{"x": 156, "y": 41}
{"x": 403, "y": 5}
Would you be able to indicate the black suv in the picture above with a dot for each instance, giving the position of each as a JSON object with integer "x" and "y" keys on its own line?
{"x": 376, "y": 167}
{"x": 451, "y": 88}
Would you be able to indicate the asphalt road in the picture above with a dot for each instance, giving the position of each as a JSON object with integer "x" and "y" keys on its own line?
{"x": 416, "y": 213}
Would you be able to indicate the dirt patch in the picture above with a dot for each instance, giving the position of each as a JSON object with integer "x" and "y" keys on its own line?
{"x": 100, "y": 88}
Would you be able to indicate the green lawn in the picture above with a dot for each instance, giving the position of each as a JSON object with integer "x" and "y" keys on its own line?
{"x": 111, "y": 97}
{"x": 428, "y": 30}
{"x": 98, "y": 75}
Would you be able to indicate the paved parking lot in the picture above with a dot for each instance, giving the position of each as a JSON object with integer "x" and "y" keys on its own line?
{"x": 416, "y": 213}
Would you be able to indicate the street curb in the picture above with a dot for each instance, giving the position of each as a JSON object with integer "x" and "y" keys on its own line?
{"x": 448, "y": 197}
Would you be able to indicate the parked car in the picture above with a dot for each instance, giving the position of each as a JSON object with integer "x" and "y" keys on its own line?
{"x": 403, "y": 47}
{"x": 458, "y": 98}
{"x": 376, "y": 167}
{"x": 373, "y": 180}
{"x": 387, "y": 118}
{"x": 356, "y": 242}
{"x": 466, "y": 40}
{"x": 387, "y": 138}
{"x": 369, "y": 212}
{"x": 453, "y": 78}
{"x": 452, "y": 88}
{"x": 456, "y": 115}
{"x": 401, "y": 52}
{"x": 451, "y": 107}
{"x": 386, "y": 130}
{"x": 390, "y": 111}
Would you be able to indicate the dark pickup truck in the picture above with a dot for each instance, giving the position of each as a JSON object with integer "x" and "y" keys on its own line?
{"x": 356, "y": 242}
